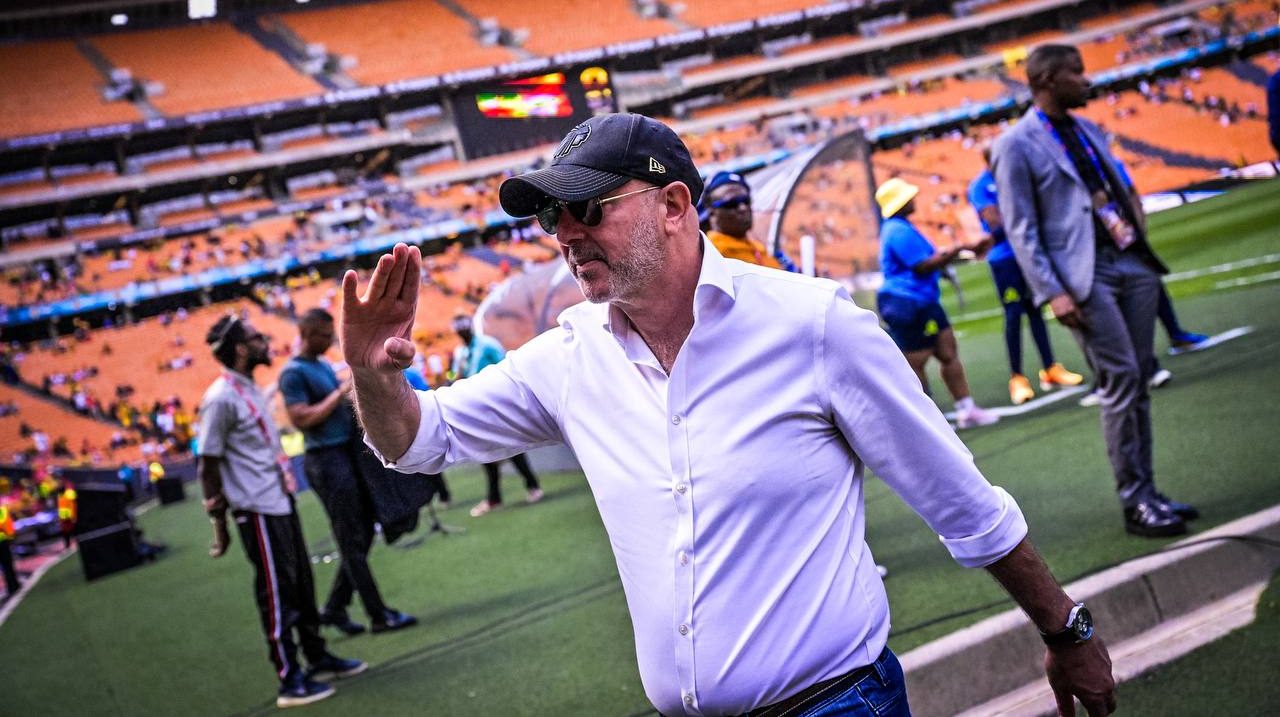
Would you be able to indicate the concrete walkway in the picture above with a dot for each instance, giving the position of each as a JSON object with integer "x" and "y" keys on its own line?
{"x": 1149, "y": 610}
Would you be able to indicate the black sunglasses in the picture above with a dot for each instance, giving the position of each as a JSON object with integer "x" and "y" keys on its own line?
{"x": 587, "y": 211}
{"x": 732, "y": 202}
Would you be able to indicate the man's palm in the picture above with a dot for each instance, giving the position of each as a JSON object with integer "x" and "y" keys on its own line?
{"x": 376, "y": 328}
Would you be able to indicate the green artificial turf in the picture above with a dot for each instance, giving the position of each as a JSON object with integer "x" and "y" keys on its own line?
{"x": 523, "y": 613}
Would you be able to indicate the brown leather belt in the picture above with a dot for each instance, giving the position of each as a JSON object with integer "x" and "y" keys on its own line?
{"x": 814, "y": 693}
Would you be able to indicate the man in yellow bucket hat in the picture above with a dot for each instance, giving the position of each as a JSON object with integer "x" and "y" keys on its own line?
{"x": 908, "y": 299}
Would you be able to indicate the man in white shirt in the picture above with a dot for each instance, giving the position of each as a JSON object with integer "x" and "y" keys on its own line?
{"x": 723, "y": 414}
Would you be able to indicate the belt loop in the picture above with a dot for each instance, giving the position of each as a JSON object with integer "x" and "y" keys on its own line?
{"x": 881, "y": 672}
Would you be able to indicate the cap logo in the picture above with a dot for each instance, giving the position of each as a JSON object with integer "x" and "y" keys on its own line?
{"x": 575, "y": 138}
{"x": 656, "y": 166}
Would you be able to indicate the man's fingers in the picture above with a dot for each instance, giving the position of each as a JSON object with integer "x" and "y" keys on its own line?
{"x": 1099, "y": 705}
{"x": 350, "y": 282}
{"x": 1066, "y": 702}
{"x": 395, "y": 277}
{"x": 412, "y": 275}
{"x": 378, "y": 282}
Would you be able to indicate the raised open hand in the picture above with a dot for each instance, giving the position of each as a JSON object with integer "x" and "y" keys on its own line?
{"x": 375, "y": 329}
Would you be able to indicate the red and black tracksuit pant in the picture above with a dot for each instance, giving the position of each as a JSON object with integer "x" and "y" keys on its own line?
{"x": 283, "y": 587}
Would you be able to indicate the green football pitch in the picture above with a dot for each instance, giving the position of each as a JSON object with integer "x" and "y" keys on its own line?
{"x": 523, "y": 613}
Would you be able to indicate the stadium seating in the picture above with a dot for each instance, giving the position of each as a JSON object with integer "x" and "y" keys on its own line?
{"x": 1153, "y": 141}
{"x": 564, "y": 25}
{"x": 708, "y": 14}
{"x": 396, "y": 39}
{"x": 29, "y": 75}
{"x": 58, "y": 423}
{"x": 1171, "y": 126}
{"x": 220, "y": 67}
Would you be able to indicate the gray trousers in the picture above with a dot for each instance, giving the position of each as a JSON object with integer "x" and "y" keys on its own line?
{"x": 1118, "y": 338}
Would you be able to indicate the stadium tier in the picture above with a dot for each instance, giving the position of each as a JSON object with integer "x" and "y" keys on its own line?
{"x": 397, "y": 39}
{"x": 28, "y": 74}
{"x": 566, "y": 25}
{"x": 205, "y": 67}
{"x": 371, "y": 137}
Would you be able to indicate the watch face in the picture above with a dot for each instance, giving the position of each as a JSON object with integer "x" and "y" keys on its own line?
{"x": 1083, "y": 623}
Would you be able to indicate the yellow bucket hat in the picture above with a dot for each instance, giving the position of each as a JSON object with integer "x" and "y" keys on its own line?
{"x": 894, "y": 194}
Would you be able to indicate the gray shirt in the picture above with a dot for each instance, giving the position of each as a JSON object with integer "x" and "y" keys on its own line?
{"x": 230, "y": 430}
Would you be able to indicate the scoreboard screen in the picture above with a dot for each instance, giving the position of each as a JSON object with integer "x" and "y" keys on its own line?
{"x": 527, "y": 112}
{"x": 542, "y": 96}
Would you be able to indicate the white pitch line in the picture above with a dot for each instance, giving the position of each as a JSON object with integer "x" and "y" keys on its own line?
{"x": 14, "y": 600}
{"x": 1223, "y": 268}
{"x": 1216, "y": 339}
{"x": 977, "y": 316}
{"x": 1177, "y": 276}
{"x": 1045, "y": 400}
{"x": 1247, "y": 280}
{"x": 1051, "y": 398}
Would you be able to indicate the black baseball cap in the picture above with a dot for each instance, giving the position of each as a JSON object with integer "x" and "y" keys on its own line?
{"x": 602, "y": 154}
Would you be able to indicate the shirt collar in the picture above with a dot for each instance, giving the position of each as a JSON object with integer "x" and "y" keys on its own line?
{"x": 240, "y": 378}
{"x": 714, "y": 274}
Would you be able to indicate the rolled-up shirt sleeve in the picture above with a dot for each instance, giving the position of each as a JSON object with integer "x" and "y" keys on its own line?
{"x": 897, "y": 432}
{"x": 505, "y": 409}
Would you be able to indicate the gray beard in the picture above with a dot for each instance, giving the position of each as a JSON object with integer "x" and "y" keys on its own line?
{"x": 632, "y": 272}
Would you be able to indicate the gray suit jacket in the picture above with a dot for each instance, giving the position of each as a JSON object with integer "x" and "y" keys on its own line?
{"x": 1046, "y": 207}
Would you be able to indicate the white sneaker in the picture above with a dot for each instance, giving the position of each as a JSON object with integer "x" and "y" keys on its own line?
{"x": 1160, "y": 378}
{"x": 533, "y": 496}
{"x": 1092, "y": 398}
{"x": 976, "y": 416}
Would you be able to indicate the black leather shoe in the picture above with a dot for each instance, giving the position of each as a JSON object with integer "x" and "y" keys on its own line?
{"x": 342, "y": 622}
{"x": 393, "y": 620}
{"x": 1186, "y": 511}
{"x": 1151, "y": 520}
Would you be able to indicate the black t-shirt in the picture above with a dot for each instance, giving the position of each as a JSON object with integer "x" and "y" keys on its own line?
{"x": 1095, "y": 180}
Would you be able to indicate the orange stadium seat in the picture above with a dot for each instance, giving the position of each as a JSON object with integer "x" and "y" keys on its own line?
{"x": 562, "y": 25}
{"x": 1135, "y": 10}
{"x": 220, "y": 67}
{"x": 1177, "y": 127}
{"x": 706, "y": 14}
{"x": 1226, "y": 86}
{"x": 56, "y": 422}
{"x": 49, "y": 86}
{"x": 397, "y": 39}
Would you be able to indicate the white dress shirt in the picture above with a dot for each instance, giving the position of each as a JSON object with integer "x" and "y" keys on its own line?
{"x": 731, "y": 490}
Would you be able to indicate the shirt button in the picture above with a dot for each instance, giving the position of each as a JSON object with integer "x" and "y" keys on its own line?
{"x": 684, "y": 558}
{"x": 684, "y": 629}
{"x": 688, "y": 699}
{"x": 675, "y": 420}
{"x": 681, "y": 488}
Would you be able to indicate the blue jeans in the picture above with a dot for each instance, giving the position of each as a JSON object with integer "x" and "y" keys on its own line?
{"x": 881, "y": 692}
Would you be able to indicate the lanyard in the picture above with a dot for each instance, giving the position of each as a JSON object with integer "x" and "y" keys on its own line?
{"x": 1088, "y": 147}
{"x": 286, "y": 472}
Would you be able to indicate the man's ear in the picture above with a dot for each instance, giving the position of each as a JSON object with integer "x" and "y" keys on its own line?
{"x": 676, "y": 203}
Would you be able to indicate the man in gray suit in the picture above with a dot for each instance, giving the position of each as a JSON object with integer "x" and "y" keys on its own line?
{"x": 1079, "y": 234}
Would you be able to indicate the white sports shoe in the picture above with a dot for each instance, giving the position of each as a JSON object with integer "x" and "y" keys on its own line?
{"x": 1092, "y": 398}
{"x": 1160, "y": 378}
{"x": 976, "y": 416}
